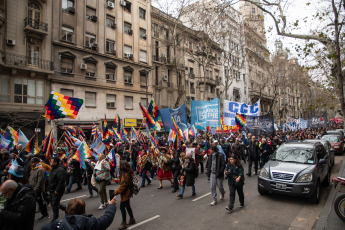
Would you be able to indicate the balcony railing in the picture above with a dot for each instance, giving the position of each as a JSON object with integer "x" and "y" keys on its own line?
{"x": 27, "y": 62}
{"x": 36, "y": 24}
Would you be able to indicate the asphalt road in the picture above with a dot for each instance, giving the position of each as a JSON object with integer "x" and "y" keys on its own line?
{"x": 160, "y": 209}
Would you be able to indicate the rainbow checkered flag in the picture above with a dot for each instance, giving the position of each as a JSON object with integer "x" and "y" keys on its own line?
{"x": 61, "y": 106}
{"x": 11, "y": 135}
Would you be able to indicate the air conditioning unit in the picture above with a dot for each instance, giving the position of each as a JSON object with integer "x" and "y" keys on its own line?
{"x": 11, "y": 42}
{"x": 128, "y": 81}
{"x": 131, "y": 56}
{"x": 111, "y": 4}
{"x": 130, "y": 32}
{"x": 165, "y": 78}
{"x": 145, "y": 37}
{"x": 126, "y": 55}
{"x": 94, "y": 45}
{"x": 83, "y": 66}
{"x": 71, "y": 10}
{"x": 113, "y": 25}
{"x": 93, "y": 18}
{"x": 123, "y": 3}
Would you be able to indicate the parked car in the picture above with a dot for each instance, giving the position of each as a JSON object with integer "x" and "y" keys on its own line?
{"x": 340, "y": 130}
{"x": 336, "y": 143}
{"x": 334, "y": 132}
{"x": 296, "y": 168}
{"x": 329, "y": 148}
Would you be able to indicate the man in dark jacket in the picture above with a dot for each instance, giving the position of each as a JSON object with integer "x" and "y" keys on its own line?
{"x": 253, "y": 155}
{"x": 215, "y": 171}
{"x": 266, "y": 152}
{"x": 134, "y": 156}
{"x": 20, "y": 207}
{"x": 56, "y": 185}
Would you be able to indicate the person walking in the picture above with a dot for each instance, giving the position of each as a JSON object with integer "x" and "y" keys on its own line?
{"x": 73, "y": 170}
{"x": 76, "y": 218}
{"x": 19, "y": 210}
{"x": 175, "y": 168}
{"x": 266, "y": 151}
{"x": 253, "y": 156}
{"x": 235, "y": 175}
{"x": 126, "y": 192}
{"x": 146, "y": 167}
{"x": 215, "y": 171}
{"x": 90, "y": 165}
{"x": 56, "y": 186}
{"x": 37, "y": 181}
{"x": 102, "y": 176}
{"x": 189, "y": 172}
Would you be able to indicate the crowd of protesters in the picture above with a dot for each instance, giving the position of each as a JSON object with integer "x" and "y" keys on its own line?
{"x": 29, "y": 179}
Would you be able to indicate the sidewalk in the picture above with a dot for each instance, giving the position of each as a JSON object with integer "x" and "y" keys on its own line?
{"x": 328, "y": 218}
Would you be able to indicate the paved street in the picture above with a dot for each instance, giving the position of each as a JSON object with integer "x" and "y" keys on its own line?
{"x": 158, "y": 209}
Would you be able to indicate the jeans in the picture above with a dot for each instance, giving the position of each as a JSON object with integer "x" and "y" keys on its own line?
{"x": 176, "y": 173}
{"x": 103, "y": 191}
{"x": 125, "y": 205}
{"x": 152, "y": 172}
{"x": 71, "y": 179}
{"x": 233, "y": 188}
{"x": 144, "y": 176}
{"x": 183, "y": 188}
{"x": 134, "y": 165}
{"x": 216, "y": 182}
{"x": 201, "y": 166}
{"x": 40, "y": 198}
{"x": 90, "y": 186}
{"x": 250, "y": 164}
{"x": 55, "y": 203}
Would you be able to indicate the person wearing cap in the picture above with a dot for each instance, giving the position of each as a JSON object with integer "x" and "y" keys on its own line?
{"x": 164, "y": 170}
{"x": 215, "y": 171}
{"x": 37, "y": 181}
{"x": 90, "y": 165}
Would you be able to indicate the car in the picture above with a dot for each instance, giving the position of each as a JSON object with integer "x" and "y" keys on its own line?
{"x": 329, "y": 148}
{"x": 334, "y": 132}
{"x": 297, "y": 169}
{"x": 340, "y": 130}
{"x": 336, "y": 143}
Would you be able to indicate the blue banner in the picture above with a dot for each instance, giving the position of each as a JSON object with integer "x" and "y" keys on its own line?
{"x": 205, "y": 113}
{"x": 231, "y": 108}
{"x": 179, "y": 115}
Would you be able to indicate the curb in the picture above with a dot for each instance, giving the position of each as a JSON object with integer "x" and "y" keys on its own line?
{"x": 323, "y": 219}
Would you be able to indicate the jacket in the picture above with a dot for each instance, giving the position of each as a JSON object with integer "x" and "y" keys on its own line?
{"x": 266, "y": 151}
{"x": 57, "y": 179}
{"x": 175, "y": 164}
{"x": 220, "y": 165}
{"x": 232, "y": 172}
{"x": 37, "y": 179}
{"x": 254, "y": 150}
{"x": 19, "y": 211}
{"x": 102, "y": 170}
{"x": 237, "y": 149}
{"x": 126, "y": 187}
{"x": 83, "y": 222}
{"x": 189, "y": 172}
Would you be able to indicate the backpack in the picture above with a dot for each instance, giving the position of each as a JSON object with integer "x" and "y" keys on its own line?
{"x": 136, "y": 187}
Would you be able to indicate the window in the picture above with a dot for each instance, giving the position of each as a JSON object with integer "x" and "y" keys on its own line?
{"x": 34, "y": 16}
{"x": 244, "y": 77}
{"x": 155, "y": 29}
{"x": 110, "y": 101}
{"x": 127, "y": 49}
{"x": 110, "y": 73}
{"x": 91, "y": 70}
{"x": 253, "y": 10}
{"x": 90, "y": 39}
{"x": 142, "y": 33}
{"x": 143, "y": 101}
{"x": 110, "y": 22}
{"x": 28, "y": 91}
{"x": 90, "y": 13}
{"x": 143, "y": 56}
{"x": 33, "y": 53}
{"x": 110, "y": 46}
{"x": 67, "y": 92}
{"x": 4, "y": 89}
{"x": 143, "y": 79}
{"x": 128, "y": 102}
{"x": 67, "y": 4}
{"x": 128, "y": 7}
{"x": 67, "y": 34}
{"x": 90, "y": 99}
{"x": 142, "y": 13}
{"x": 127, "y": 28}
{"x": 66, "y": 65}
{"x": 128, "y": 77}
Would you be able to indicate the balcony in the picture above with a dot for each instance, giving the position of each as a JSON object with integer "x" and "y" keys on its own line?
{"x": 192, "y": 91}
{"x": 209, "y": 81}
{"x": 156, "y": 58}
{"x": 171, "y": 62}
{"x": 27, "y": 62}
{"x": 37, "y": 27}
{"x": 191, "y": 76}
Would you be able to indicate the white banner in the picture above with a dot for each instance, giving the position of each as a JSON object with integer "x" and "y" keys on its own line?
{"x": 231, "y": 108}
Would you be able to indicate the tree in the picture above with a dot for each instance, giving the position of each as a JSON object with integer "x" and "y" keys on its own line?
{"x": 328, "y": 36}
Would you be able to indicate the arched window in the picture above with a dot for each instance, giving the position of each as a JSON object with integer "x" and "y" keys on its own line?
{"x": 34, "y": 16}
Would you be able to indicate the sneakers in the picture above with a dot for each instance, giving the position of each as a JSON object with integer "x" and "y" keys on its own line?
{"x": 131, "y": 221}
{"x": 241, "y": 206}
{"x": 44, "y": 217}
{"x": 123, "y": 226}
{"x": 228, "y": 208}
{"x": 221, "y": 196}
{"x": 213, "y": 203}
{"x": 101, "y": 207}
{"x": 179, "y": 197}
{"x": 89, "y": 196}
{"x": 193, "y": 194}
